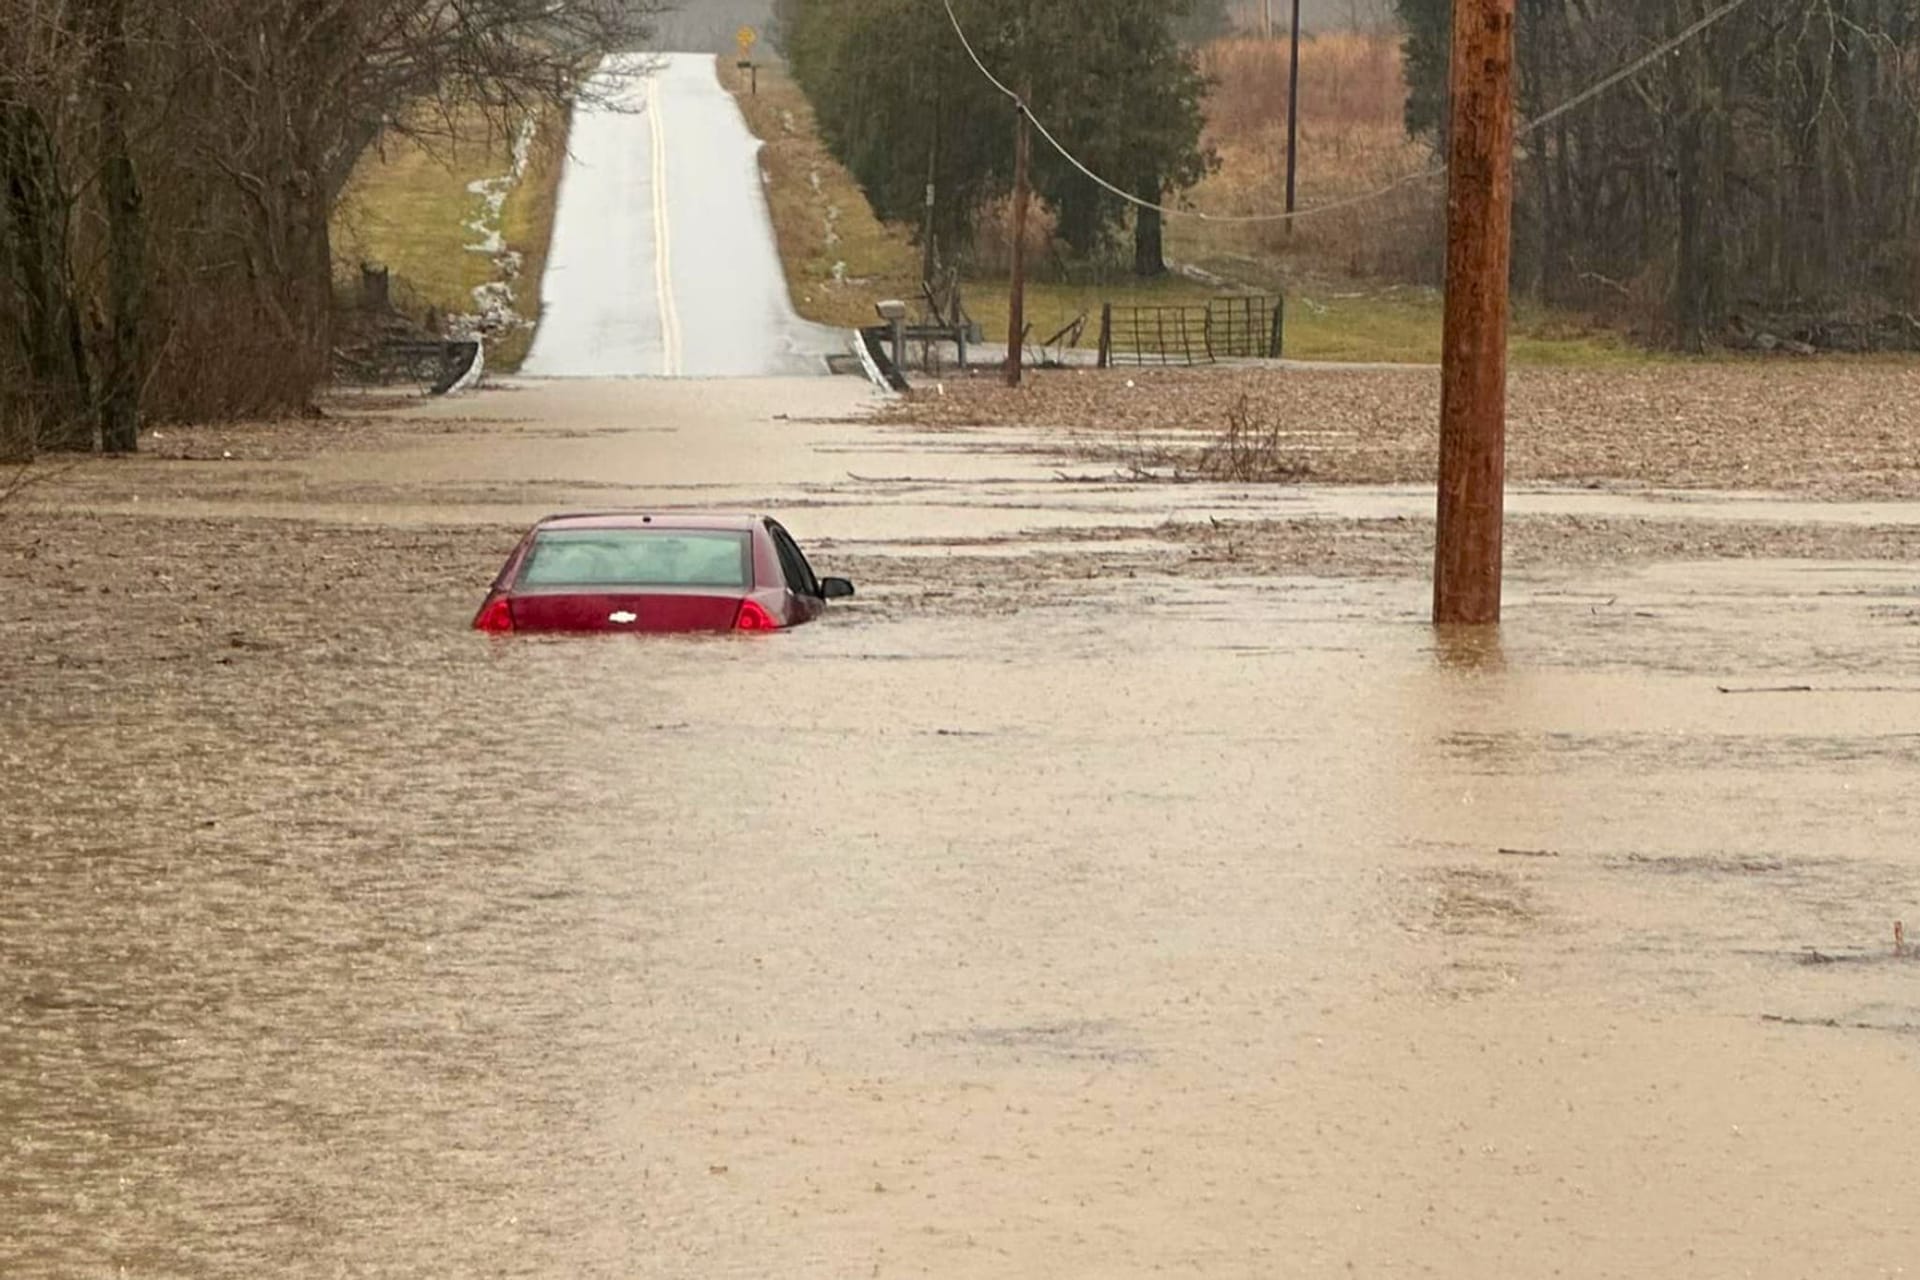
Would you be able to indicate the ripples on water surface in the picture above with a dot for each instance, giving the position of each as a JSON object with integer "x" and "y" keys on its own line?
{"x": 340, "y": 941}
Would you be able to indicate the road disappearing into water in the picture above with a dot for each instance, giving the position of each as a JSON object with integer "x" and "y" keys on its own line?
{"x": 663, "y": 261}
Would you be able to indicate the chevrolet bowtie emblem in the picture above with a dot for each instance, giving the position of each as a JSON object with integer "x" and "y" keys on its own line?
{"x": 623, "y": 618}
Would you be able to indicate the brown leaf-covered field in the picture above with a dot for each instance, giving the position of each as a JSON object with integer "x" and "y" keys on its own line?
{"x": 1821, "y": 429}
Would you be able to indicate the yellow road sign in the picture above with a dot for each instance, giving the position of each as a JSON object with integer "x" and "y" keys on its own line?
{"x": 748, "y": 37}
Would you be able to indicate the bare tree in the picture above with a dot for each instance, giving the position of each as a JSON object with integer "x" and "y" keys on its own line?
{"x": 1765, "y": 172}
{"x": 44, "y": 377}
{"x": 169, "y": 170}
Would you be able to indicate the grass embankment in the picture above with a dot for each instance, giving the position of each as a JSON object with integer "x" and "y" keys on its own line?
{"x": 840, "y": 259}
{"x": 409, "y": 207}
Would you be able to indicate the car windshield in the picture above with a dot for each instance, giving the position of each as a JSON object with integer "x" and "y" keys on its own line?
{"x": 638, "y": 558}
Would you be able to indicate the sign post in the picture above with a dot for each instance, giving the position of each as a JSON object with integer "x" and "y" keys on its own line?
{"x": 747, "y": 38}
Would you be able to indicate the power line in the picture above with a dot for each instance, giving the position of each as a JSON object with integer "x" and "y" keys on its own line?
{"x": 1632, "y": 69}
{"x": 1432, "y": 171}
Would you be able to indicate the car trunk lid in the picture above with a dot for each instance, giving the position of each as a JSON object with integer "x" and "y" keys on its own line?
{"x": 644, "y": 611}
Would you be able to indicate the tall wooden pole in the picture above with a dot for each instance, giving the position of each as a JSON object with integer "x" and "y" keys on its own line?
{"x": 1022, "y": 194}
{"x": 1293, "y": 110}
{"x": 1473, "y": 360}
{"x": 933, "y": 178}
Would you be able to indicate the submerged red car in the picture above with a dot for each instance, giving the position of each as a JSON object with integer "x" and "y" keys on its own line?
{"x": 632, "y": 571}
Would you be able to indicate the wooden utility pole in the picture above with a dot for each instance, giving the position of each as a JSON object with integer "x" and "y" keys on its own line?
{"x": 1022, "y": 194}
{"x": 1293, "y": 111}
{"x": 1473, "y": 360}
{"x": 933, "y": 177}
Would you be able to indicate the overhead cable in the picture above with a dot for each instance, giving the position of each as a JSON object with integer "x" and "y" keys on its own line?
{"x": 1432, "y": 171}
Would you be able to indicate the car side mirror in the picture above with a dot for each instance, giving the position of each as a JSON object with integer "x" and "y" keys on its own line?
{"x": 835, "y": 589}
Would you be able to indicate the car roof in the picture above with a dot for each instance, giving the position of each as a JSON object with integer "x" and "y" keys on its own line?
{"x": 730, "y": 521}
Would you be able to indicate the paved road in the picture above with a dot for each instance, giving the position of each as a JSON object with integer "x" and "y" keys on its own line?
{"x": 663, "y": 261}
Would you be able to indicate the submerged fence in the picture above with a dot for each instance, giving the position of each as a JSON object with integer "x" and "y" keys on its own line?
{"x": 1242, "y": 327}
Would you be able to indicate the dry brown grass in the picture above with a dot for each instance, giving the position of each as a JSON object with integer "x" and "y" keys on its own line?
{"x": 839, "y": 258}
{"x": 1347, "y": 78}
{"x": 1353, "y": 141}
{"x": 526, "y": 223}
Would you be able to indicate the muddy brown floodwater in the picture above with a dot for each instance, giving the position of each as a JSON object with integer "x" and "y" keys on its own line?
{"x": 1053, "y": 910}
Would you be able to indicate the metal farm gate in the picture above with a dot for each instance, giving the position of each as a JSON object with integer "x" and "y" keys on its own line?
{"x": 1153, "y": 335}
{"x": 1241, "y": 327}
{"x": 1247, "y": 328}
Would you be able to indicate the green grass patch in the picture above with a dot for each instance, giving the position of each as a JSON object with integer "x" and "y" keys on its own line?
{"x": 1404, "y": 327}
{"x": 1395, "y": 326}
{"x": 1332, "y": 316}
{"x": 409, "y": 206}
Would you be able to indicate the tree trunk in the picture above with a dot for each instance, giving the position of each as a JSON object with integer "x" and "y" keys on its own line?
{"x": 125, "y": 372}
{"x": 1699, "y": 301}
{"x": 1149, "y": 249}
{"x": 36, "y": 264}
{"x": 313, "y": 267}
{"x": 1692, "y": 275}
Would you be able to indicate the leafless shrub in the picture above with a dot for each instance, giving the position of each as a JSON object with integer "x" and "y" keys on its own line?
{"x": 1252, "y": 449}
{"x": 17, "y": 477}
{"x": 1140, "y": 459}
{"x": 19, "y": 425}
{"x": 17, "y": 437}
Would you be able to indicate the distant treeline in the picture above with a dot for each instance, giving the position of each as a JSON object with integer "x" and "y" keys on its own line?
{"x": 168, "y": 170}
{"x": 903, "y": 107}
{"x": 1767, "y": 174}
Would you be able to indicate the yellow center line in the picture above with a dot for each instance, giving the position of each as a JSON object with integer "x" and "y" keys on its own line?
{"x": 663, "y": 238}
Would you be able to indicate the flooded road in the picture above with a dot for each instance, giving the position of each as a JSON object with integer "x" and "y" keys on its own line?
{"x": 1014, "y": 921}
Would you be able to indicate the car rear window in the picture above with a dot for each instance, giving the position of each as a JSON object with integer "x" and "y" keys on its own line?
{"x": 638, "y": 558}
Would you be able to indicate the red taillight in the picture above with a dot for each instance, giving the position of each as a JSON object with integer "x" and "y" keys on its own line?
{"x": 496, "y": 616}
{"x": 754, "y": 617}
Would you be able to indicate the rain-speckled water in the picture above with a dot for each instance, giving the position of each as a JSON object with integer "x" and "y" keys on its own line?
{"x": 1223, "y": 928}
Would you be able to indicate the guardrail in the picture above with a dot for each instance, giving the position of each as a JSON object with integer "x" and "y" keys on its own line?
{"x": 438, "y": 365}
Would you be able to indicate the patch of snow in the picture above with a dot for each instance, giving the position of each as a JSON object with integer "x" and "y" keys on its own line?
{"x": 496, "y": 305}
